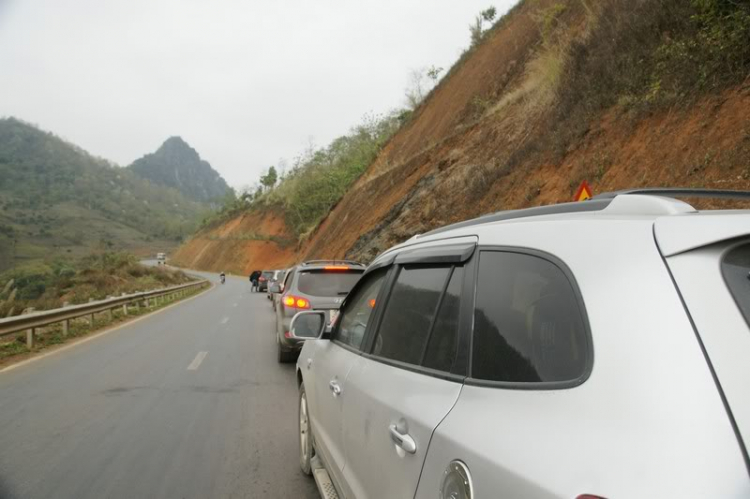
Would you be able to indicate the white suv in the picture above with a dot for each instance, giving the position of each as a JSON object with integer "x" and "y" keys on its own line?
{"x": 596, "y": 349}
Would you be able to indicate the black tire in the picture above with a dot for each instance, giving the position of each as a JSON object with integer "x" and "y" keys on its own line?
{"x": 285, "y": 356}
{"x": 305, "y": 433}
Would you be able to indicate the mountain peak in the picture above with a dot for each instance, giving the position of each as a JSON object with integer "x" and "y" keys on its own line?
{"x": 176, "y": 164}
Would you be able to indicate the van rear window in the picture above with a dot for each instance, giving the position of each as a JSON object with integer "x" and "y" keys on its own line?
{"x": 328, "y": 283}
{"x": 736, "y": 270}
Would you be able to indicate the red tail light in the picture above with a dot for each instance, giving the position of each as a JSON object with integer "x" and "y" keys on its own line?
{"x": 336, "y": 267}
{"x": 296, "y": 302}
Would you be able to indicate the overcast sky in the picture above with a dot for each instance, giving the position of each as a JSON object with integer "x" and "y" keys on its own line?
{"x": 245, "y": 82}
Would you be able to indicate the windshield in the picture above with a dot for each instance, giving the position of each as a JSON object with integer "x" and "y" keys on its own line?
{"x": 327, "y": 283}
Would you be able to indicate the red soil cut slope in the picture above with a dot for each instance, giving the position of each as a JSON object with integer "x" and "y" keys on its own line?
{"x": 248, "y": 242}
{"x": 477, "y": 145}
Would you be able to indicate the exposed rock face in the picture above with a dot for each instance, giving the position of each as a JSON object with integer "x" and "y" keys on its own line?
{"x": 176, "y": 164}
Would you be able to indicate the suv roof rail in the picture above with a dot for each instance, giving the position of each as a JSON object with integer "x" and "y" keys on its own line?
{"x": 348, "y": 262}
{"x": 597, "y": 203}
{"x": 550, "y": 209}
{"x": 674, "y": 192}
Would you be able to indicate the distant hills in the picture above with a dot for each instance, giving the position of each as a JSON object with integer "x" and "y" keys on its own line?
{"x": 176, "y": 164}
{"x": 56, "y": 199}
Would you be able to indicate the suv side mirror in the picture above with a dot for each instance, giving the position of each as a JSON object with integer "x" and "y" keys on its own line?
{"x": 308, "y": 325}
{"x": 275, "y": 288}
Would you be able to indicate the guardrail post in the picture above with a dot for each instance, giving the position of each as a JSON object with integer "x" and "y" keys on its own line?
{"x": 110, "y": 316}
{"x": 30, "y": 333}
{"x": 66, "y": 322}
{"x": 91, "y": 318}
{"x": 124, "y": 307}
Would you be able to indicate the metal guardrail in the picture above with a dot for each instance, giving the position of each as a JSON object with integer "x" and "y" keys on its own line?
{"x": 30, "y": 321}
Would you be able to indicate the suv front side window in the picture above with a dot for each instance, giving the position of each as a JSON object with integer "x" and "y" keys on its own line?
{"x": 358, "y": 309}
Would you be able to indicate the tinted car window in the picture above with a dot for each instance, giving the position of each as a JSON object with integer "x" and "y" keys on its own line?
{"x": 327, "y": 283}
{"x": 358, "y": 310}
{"x": 287, "y": 279}
{"x": 441, "y": 347}
{"x": 736, "y": 270}
{"x": 528, "y": 325}
{"x": 402, "y": 334}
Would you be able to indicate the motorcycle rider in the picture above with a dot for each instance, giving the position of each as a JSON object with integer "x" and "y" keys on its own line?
{"x": 222, "y": 277}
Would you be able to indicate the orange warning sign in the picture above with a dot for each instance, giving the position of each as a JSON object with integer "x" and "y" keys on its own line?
{"x": 583, "y": 193}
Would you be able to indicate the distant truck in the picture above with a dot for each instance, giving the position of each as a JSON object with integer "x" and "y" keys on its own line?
{"x": 161, "y": 258}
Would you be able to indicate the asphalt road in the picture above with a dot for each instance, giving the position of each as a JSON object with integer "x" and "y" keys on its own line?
{"x": 189, "y": 402}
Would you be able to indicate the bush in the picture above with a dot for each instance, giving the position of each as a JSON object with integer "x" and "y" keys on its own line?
{"x": 96, "y": 276}
{"x": 645, "y": 55}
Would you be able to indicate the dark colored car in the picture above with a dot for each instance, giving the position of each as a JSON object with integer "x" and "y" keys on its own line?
{"x": 265, "y": 277}
{"x": 313, "y": 285}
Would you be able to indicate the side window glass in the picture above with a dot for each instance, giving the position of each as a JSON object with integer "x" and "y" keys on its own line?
{"x": 410, "y": 311}
{"x": 443, "y": 342}
{"x": 358, "y": 310}
{"x": 736, "y": 270}
{"x": 287, "y": 280}
{"x": 528, "y": 324}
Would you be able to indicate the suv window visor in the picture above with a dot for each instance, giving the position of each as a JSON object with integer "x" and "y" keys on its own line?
{"x": 456, "y": 253}
{"x": 320, "y": 282}
{"x": 379, "y": 264}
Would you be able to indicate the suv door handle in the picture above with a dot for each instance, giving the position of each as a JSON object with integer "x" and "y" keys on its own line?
{"x": 403, "y": 440}
{"x": 335, "y": 387}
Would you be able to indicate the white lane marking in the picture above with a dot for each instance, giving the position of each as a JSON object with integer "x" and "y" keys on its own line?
{"x": 195, "y": 364}
{"x": 225, "y": 320}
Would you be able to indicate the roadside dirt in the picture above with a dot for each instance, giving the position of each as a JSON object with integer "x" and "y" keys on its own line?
{"x": 248, "y": 242}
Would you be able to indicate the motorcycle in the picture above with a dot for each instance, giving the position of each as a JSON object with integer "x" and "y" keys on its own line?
{"x": 222, "y": 278}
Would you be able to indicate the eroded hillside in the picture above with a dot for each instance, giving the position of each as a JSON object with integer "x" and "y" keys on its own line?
{"x": 623, "y": 94}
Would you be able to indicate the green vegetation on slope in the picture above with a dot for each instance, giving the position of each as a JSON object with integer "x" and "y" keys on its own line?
{"x": 47, "y": 285}
{"x": 176, "y": 164}
{"x": 57, "y": 199}
{"x": 641, "y": 56}
{"x": 318, "y": 179}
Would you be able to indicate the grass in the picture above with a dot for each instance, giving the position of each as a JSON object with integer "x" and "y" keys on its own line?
{"x": 47, "y": 285}
{"x": 15, "y": 346}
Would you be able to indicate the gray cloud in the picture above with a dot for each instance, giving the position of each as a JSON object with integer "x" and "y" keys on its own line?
{"x": 244, "y": 82}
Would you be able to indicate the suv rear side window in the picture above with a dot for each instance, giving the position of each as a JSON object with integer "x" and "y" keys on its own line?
{"x": 735, "y": 267}
{"x": 404, "y": 330}
{"x": 327, "y": 282}
{"x": 358, "y": 310}
{"x": 528, "y": 324}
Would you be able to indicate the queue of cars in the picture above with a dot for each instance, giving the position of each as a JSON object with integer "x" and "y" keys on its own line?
{"x": 587, "y": 350}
